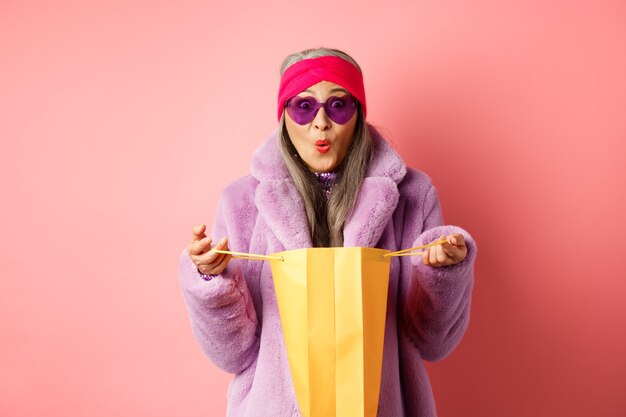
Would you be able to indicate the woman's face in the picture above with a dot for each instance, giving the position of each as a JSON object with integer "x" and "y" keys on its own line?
{"x": 322, "y": 144}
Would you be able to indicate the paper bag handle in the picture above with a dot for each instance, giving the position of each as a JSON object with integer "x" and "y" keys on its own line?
{"x": 409, "y": 252}
{"x": 256, "y": 257}
{"x": 249, "y": 256}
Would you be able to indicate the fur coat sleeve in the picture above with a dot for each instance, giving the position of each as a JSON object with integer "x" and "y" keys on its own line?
{"x": 437, "y": 307}
{"x": 222, "y": 314}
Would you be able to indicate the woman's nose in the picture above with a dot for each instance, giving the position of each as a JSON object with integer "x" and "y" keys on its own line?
{"x": 321, "y": 121}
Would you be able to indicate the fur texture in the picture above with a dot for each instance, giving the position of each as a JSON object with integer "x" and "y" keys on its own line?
{"x": 235, "y": 316}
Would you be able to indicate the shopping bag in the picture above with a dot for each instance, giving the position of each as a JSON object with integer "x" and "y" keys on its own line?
{"x": 332, "y": 304}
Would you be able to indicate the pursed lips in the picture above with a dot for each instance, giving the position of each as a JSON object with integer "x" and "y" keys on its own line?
{"x": 322, "y": 145}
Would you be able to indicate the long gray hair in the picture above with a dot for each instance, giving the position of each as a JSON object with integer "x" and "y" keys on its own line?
{"x": 327, "y": 217}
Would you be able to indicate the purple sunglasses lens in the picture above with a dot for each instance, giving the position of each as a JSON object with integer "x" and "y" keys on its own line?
{"x": 304, "y": 109}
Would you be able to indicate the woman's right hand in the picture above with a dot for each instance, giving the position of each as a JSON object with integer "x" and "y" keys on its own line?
{"x": 207, "y": 261}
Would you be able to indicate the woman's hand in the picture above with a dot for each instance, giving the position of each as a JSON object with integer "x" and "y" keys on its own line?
{"x": 451, "y": 252}
{"x": 199, "y": 249}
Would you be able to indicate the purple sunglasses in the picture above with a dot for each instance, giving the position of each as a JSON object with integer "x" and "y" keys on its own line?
{"x": 304, "y": 109}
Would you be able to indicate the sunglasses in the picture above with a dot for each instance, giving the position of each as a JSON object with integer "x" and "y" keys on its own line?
{"x": 304, "y": 109}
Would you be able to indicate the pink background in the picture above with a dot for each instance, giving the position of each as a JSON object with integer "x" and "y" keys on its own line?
{"x": 121, "y": 121}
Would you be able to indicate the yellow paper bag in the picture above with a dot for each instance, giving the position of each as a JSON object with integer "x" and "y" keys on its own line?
{"x": 332, "y": 304}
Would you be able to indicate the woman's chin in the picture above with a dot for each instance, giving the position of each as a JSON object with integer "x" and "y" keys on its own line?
{"x": 324, "y": 165}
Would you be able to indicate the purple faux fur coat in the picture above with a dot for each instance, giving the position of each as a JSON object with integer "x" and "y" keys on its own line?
{"x": 235, "y": 316}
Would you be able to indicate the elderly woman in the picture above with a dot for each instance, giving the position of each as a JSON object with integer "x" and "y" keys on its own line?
{"x": 326, "y": 178}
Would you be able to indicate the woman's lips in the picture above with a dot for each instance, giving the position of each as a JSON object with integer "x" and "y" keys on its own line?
{"x": 322, "y": 146}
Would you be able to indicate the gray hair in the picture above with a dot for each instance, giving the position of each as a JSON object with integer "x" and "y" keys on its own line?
{"x": 326, "y": 218}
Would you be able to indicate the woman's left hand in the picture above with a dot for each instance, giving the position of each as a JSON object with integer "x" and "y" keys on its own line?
{"x": 451, "y": 252}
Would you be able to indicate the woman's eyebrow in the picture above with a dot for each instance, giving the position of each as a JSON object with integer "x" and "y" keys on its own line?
{"x": 334, "y": 90}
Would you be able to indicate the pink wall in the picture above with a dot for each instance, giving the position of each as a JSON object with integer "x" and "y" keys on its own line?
{"x": 121, "y": 121}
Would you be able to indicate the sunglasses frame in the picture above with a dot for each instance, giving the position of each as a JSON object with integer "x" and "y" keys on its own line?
{"x": 331, "y": 112}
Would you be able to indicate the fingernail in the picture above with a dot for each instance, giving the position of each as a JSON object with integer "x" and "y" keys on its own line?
{"x": 222, "y": 241}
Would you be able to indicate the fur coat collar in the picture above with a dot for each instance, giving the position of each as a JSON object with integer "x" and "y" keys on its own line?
{"x": 280, "y": 205}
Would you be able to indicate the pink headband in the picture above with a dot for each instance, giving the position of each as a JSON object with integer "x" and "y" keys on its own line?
{"x": 307, "y": 72}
